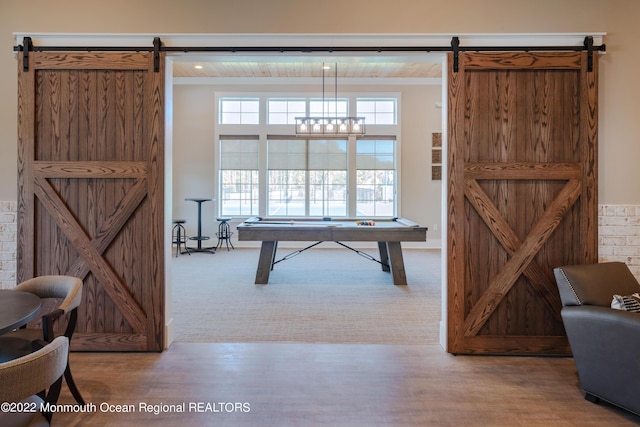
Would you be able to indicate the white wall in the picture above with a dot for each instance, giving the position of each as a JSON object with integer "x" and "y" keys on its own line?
{"x": 194, "y": 151}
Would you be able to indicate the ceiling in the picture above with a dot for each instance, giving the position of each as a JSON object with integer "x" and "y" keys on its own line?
{"x": 379, "y": 66}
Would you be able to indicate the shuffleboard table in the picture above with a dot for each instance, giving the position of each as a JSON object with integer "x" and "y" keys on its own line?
{"x": 387, "y": 232}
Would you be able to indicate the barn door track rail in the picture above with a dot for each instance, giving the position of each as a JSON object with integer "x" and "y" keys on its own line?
{"x": 455, "y": 47}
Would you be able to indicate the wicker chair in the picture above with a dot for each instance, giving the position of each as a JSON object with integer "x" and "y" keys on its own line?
{"x": 25, "y": 340}
{"x": 24, "y": 381}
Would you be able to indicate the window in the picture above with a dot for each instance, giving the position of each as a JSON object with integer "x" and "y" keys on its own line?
{"x": 264, "y": 169}
{"x": 375, "y": 182}
{"x": 285, "y": 111}
{"x": 239, "y": 176}
{"x": 378, "y": 111}
{"x": 334, "y": 107}
{"x": 236, "y": 111}
{"x": 307, "y": 177}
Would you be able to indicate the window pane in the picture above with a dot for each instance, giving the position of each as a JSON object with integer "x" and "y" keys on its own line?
{"x": 377, "y": 111}
{"x": 284, "y": 111}
{"x": 239, "y": 192}
{"x": 328, "y": 193}
{"x": 229, "y": 105}
{"x": 384, "y": 162}
{"x": 375, "y": 182}
{"x": 299, "y": 107}
{"x": 366, "y": 146}
{"x": 385, "y": 119}
{"x": 250, "y": 106}
{"x": 291, "y": 117}
{"x": 327, "y": 154}
{"x": 250, "y": 118}
{"x": 287, "y": 193}
{"x": 239, "y": 111}
{"x": 385, "y": 106}
{"x": 384, "y": 146}
{"x": 331, "y": 108}
{"x": 375, "y": 193}
{"x": 239, "y": 164}
{"x": 230, "y": 118}
{"x": 286, "y": 154}
{"x": 239, "y": 154}
{"x": 315, "y": 108}
{"x": 277, "y": 106}
{"x": 375, "y": 154}
{"x": 366, "y": 107}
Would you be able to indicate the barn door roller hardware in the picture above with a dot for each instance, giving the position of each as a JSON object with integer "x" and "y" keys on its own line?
{"x": 587, "y": 45}
{"x": 28, "y": 45}
{"x": 157, "y": 45}
{"x": 454, "y": 47}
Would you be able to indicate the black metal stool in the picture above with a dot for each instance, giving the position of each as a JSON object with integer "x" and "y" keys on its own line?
{"x": 224, "y": 232}
{"x": 179, "y": 236}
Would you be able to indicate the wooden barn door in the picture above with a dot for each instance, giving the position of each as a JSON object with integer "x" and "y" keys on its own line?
{"x": 90, "y": 189}
{"x": 522, "y": 196}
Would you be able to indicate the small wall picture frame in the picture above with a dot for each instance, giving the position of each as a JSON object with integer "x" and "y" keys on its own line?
{"x": 436, "y": 156}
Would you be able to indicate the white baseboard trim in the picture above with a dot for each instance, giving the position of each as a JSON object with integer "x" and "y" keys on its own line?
{"x": 168, "y": 333}
{"x": 443, "y": 335}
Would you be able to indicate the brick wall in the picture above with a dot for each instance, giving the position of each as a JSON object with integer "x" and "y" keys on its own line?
{"x": 618, "y": 228}
{"x": 8, "y": 232}
{"x": 619, "y": 235}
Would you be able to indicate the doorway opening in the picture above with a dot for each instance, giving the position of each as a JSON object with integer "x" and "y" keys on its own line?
{"x": 415, "y": 79}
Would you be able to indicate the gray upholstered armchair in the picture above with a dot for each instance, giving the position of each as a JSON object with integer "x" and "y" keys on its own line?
{"x": 605, "y": 342}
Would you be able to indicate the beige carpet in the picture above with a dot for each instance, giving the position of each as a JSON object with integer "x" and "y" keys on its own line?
{"x": 322, "y": 295}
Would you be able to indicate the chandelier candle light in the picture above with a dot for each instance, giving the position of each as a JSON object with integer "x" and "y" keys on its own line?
{"x": 330, "y": 125}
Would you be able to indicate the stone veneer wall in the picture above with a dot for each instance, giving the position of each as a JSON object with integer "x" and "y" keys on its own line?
{"x": 618, "y": 228}
{"x": 8, "y": 245}
{"x": 619, "y": 235}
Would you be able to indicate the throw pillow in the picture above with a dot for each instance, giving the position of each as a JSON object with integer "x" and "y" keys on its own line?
{"x": 627, "y": 302}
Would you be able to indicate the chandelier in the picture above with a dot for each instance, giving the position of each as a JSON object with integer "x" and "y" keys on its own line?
{"x": 327, "y": 125}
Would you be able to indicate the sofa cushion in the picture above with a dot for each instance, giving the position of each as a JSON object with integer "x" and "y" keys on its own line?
{"x": 627, "y": 302}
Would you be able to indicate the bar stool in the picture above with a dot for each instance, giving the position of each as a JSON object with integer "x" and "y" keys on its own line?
{"x": 224, "y": 232}
{"x": 180, "y": 236}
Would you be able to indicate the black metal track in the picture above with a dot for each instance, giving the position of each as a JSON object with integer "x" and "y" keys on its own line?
{"x": 289, "y": 49}
{"x": 454, "y": 47}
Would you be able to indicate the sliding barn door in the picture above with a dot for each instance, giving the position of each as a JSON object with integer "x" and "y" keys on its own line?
{"x": 522, "y": 196}
{"x": 90, "y": 189}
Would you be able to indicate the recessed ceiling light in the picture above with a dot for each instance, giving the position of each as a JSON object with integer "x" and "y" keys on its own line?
{"x": 198, "y": 67}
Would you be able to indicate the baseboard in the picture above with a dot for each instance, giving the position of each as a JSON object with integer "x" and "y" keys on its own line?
{"x": 443, "y": 335}
{"x": 168, "y": 333}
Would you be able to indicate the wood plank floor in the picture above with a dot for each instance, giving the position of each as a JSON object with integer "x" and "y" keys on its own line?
{"x": 297, "y": 384}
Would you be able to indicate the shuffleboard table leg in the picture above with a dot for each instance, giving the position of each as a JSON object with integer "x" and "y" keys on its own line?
{"x": 384, "y": 256}
{"x": 264, "y": 262}
{"x": 397, "y": 263}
